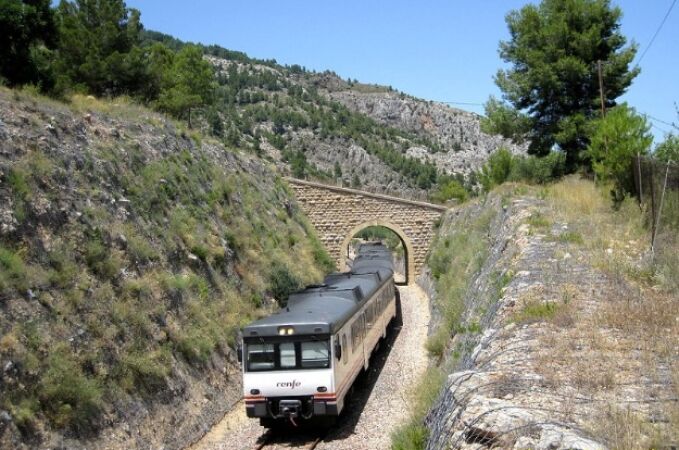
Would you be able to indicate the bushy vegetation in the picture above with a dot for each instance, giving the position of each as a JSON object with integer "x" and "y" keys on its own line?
{"x": 551, "y": 85}
{"x": 105, "y": 307}
{"x": 668, "y": 149}
{"x": 455, "y": 258}
{"x": 452, "y": 188}
{"x": 502, "y": 166}
{"x": 380, "y": 233}
{"x": 616, "y": 140}
{"x": 505, "y": 120}
{"x": 101, "y": 48}
{"x": 413, "y": 434}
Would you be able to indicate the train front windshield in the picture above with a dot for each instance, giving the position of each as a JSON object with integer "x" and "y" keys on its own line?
{"x": 287, "y": 355}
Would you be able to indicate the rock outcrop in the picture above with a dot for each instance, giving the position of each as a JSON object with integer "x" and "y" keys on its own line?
{"x": 461, "y": 145}
{"x": 553, "y": 352}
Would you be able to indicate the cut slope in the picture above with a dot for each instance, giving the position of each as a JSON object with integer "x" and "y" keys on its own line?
{"x": 565, "y": 340}
{"x": 131, "y": 250}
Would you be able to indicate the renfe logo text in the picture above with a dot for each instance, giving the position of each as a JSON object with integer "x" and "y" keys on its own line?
{"x": 288, "y": 384}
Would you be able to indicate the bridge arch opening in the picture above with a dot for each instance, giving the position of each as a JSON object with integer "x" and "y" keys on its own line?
{"x": 392, "y": 236}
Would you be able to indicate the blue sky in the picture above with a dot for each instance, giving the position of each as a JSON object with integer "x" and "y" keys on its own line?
{"x": 444, "y": 50}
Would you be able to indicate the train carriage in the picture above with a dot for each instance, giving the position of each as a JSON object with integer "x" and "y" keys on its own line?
{"x": 301, "y": 362}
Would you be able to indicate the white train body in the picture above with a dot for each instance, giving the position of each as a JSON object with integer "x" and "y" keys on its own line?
{"x": 302, "y": 362}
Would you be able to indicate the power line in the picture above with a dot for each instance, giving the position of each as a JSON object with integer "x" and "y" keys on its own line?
{"x": 655, "y": 119}
{"x": 657, "y": 31}
{"x": 659, "y": 128}
{"x": 462, "y": 103}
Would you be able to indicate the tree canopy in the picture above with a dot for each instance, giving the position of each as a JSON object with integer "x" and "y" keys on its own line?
{"x": 553, "y": 50}
{"x": 668, "y": 150}
{"x": 187, "y": 81}
{"x": 98, "y": 50}
{"x": 617, "y": 138}
{"x": 28, "y": 31}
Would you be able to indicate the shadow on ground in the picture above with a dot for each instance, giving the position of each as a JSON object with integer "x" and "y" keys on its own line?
{"x": 365, "y": 382}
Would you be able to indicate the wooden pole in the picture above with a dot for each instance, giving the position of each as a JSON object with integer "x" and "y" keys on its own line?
{"x": 652, "y": 165}
{"x": 601, "y": 90}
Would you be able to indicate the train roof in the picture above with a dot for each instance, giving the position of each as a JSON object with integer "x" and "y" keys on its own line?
{"x": 323, "y": 309}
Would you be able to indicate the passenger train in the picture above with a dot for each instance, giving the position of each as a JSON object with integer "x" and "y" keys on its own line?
{"x": 301, "y": 362}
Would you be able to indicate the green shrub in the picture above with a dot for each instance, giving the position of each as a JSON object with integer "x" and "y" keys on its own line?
{"x": 616, "y": 139}
{"x": 413, "y": 435}
{"x": 449, "y": 190}
{"x": 503, "y": 119}
{"x": 24, "y": 414}
{"x": 100, "y": 259}
{"x": 538, "y": 220}
{"x": 497, "y": 169}
{"x": 503, "y": 166}
{"x": 535, "y": 311}
{"x": 73, "y": 399}
{"x": 538, "y": 170}
{"x": 196, "y": 345}
{"x": 140, "y": 250}
{"x": 572, "y": 237}
{"x": 201, "y": 251}
{"x": 13, "y": 272}
{"x": 17, "y": 180}
{"x": 64, "y": 269}
{"x": 668, "y": 150}
{"x": 282, "y": 283}
{"x": 145, "y": 369}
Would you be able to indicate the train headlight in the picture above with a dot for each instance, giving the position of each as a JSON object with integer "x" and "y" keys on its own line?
{"x": 286, "y": 331}
{"x": 322, "y": 389}
{"x": 254, "y": 391}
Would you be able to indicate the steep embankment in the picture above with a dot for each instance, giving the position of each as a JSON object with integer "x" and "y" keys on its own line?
{"x": 562, "y": 336}
{"x": 131, "y": 250}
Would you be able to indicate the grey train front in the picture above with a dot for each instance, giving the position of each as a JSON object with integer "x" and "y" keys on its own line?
{"x": 301, "y": 362}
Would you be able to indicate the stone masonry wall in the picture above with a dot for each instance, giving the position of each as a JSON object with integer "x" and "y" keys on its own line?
{"x": 339, "y": 213}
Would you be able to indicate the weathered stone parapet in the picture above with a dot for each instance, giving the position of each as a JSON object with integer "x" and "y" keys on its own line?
{"x": 339, "y": 213}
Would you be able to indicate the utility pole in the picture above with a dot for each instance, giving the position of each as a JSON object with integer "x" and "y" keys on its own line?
{"x": 601, "y": 90}
{"x": 601, "y": 94}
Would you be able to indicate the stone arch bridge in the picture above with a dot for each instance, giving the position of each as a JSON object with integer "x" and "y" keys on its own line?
{"x": 339, "y": 213}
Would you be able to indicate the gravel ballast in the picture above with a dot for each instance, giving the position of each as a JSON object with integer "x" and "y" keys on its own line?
{"x": 378, "y": 405}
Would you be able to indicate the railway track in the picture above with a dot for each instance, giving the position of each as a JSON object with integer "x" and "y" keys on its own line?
{"x": 269, "y": 441}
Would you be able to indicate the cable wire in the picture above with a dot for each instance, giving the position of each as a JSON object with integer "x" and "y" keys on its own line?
{"x": 657, "y": 31}
{"x": 464, "y": 103}
{"x": 655, "y": 119}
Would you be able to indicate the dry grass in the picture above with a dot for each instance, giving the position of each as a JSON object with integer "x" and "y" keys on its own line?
{"x": 574, "y": 198}
{"x": 626, "y": 332}
{"x": 121, "y": 107}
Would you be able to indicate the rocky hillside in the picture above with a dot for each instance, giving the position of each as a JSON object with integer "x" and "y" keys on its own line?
{"x": 320, "y": 126}
{"x": 131, "y": 250}
{"x": 459, "y": 145}
{"x": 564, "y": 330}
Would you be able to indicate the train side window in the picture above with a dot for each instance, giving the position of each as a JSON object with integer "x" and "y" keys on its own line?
{"x": 357, "y": 330}
{"x": 345, "y": 353}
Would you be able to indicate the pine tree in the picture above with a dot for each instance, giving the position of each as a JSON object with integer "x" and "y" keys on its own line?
{"x": 188, "y": 83}
{"x": 98, "y": 48}
{"x": 28, "y": 32}
{"x": 554, "y": 48}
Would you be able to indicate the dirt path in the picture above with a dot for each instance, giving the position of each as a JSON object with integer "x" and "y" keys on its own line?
{"x": 379, "y": 403}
